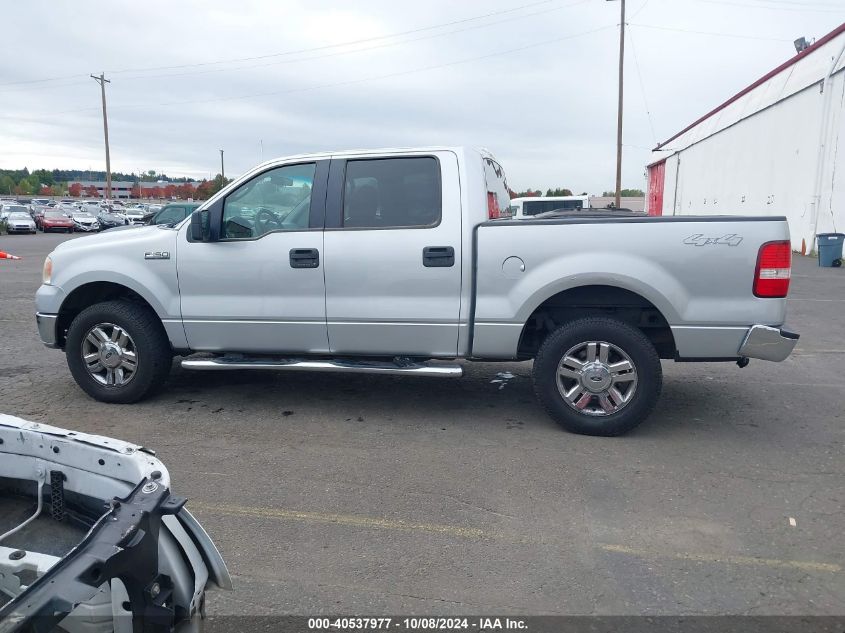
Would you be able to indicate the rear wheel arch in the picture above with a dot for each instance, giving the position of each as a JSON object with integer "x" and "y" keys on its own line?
{"x": 596, "y": 300}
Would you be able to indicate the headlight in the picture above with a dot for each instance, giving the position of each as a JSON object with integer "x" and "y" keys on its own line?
{"x": 47, "y": 272}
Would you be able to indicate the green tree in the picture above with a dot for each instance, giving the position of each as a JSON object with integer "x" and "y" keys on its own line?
{"x": 625, "y": 193}
{"x": 7, "y": 185}
{"x": 559, "y": 192}
{"x": 24, "y": 187}
{"x": 43, "y": 177}
{"x": 529, "y": 193}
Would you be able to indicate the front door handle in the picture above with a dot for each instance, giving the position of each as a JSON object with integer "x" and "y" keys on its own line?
{"x": 438, "y": 256}
{"x": 304, "y": 258}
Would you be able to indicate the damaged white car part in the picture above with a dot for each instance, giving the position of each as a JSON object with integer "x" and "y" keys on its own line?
{"x": 91, "y": 539}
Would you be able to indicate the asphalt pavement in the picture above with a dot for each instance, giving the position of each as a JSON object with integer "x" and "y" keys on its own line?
{"x": 374, "y": 494}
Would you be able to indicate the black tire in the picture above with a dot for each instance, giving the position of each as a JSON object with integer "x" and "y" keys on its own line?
{"x": 626, "y": 338}
{"x": 154, "y": 355}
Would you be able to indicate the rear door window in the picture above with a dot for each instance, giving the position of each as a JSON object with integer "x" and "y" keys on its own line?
{"x": 392, "y": 193}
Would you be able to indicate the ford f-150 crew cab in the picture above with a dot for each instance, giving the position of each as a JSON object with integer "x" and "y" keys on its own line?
{"x": 404, "y": 261}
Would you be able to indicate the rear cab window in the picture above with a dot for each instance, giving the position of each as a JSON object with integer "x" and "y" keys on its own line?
{"x": 498, "y": 193}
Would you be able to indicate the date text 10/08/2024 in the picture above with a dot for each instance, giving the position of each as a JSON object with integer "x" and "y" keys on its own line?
{"x": 416, "y": 624}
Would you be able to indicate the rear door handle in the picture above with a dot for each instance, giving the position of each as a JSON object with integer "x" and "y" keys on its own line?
{"x": 438, "y": 256}
{"x": 304, "y": 258}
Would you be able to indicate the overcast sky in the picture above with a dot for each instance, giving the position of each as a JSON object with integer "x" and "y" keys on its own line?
{"x": 535, "y": 82}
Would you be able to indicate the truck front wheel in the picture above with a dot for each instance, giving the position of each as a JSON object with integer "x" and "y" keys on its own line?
{"x": 597, "y": 376}
{"x": 118, "y": 351}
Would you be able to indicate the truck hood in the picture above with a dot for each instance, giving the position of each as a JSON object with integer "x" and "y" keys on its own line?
{"x": 153, "y": 235}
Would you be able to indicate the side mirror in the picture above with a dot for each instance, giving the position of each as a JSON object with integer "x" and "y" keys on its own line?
{"x": 199, "y": 226}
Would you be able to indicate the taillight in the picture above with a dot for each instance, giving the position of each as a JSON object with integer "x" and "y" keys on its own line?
{"x": 774, "y": 268}
{"x": 493, "y": 211}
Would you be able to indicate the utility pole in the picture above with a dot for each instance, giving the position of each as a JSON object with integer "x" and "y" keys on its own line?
{"x": 619, "y": 110}
{"x": 222, "y": 171}
{"x": 103, "y": 81}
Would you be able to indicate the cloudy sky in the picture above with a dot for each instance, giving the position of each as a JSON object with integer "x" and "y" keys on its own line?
{"x": 535, "y": 82}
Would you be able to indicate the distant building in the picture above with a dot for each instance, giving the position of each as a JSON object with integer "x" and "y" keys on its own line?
{"x": 122, "y": 189}
{"x": 771, "y": 149}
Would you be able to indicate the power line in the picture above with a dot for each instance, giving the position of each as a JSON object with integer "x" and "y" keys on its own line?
{"x": 333, "y": 84}
{"x": 713, "y": 33}
{"x": 801, "y": 3}
{"x": 340, "y": 44}
{"x": 358, "y": 50}
{"x": 801, "y": 9}
{"x": 642, "y": 87}
{"x": 636, "y": 13}
{"x": 317, "y": 48}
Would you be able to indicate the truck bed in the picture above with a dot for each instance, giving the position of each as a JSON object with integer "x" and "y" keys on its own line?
{"x": 698, "y": 271}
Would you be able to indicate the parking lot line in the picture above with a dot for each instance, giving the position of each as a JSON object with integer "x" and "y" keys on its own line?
{"x": 356, "y": 520}
{"x": 723, "y": 558}
{"x": 339, "y": 519}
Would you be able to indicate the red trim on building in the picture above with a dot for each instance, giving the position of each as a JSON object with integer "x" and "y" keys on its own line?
{"x": 813, "y": 47}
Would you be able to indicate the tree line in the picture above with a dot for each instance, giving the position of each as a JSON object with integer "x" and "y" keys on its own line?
{"x": 43, "y": 182}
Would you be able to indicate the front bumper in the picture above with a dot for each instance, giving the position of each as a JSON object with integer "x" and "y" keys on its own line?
{"x": 47, "y": 329}
{"x": 86, "y": 227}
{"x": 20, "y": 228}
{"x": 768, "y": 343}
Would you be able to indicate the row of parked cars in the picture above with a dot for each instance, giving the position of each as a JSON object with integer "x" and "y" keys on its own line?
{"x": 70, "y": 215}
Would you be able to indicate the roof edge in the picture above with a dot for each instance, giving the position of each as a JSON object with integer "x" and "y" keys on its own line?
{"x": 790, "y": 62}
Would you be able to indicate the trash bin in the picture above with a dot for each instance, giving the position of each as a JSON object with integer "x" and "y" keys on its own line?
{"x": 830, "y": 249}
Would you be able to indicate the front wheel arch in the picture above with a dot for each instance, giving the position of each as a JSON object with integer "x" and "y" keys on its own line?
{"x": 89, "y": 294}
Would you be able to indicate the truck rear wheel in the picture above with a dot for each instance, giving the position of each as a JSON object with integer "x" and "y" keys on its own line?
{"x": 597, "y": 376}
{"x": 118, "y": 351}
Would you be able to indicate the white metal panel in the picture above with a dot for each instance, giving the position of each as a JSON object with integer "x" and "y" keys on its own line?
{"x": 767, "y": 165}
{"x": 810, "y": 69}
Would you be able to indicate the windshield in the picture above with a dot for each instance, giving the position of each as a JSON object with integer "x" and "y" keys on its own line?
{"x": 15, "y": 208}
{"x": 19, "y": 216}
{"x": 54, "y": 215}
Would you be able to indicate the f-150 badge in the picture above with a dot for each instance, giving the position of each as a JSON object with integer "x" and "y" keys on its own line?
{"x": 732, "y": 239}
{"x": 157, "y": 255}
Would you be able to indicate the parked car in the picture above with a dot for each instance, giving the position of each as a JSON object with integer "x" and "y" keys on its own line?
{"x": 111, "y": 549}
{"x": 66, "y": 208}
{"x": 20, "y": 222}
{"x": 173, "y": 213}
{"x": 38, "y": 212}
{"x": 91, "y": 207}
{"x": 134, "y": 215}
{"x": 83, "y": 221}
{"x": 40, "y": 201}
{"x": 110, "y": 220}
{"x": 56, "y": 221}
{"x": 412, "y": 255}
{"x": 11, "y": 207}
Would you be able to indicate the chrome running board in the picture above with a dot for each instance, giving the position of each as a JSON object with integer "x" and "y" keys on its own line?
{"x": 396, "y": 367}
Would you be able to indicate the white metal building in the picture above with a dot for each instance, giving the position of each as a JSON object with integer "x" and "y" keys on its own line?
{"x": 771, "y": 149}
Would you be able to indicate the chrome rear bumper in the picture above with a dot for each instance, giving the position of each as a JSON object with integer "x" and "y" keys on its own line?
{"x": 768, "y": 343}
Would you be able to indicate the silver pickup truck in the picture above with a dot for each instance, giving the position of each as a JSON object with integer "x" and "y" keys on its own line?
{"x": 404, "y": 261}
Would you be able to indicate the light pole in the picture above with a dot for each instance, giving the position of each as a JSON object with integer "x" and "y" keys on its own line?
{"x": 222, "y": 170}
{"x": 619, "y": 108}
